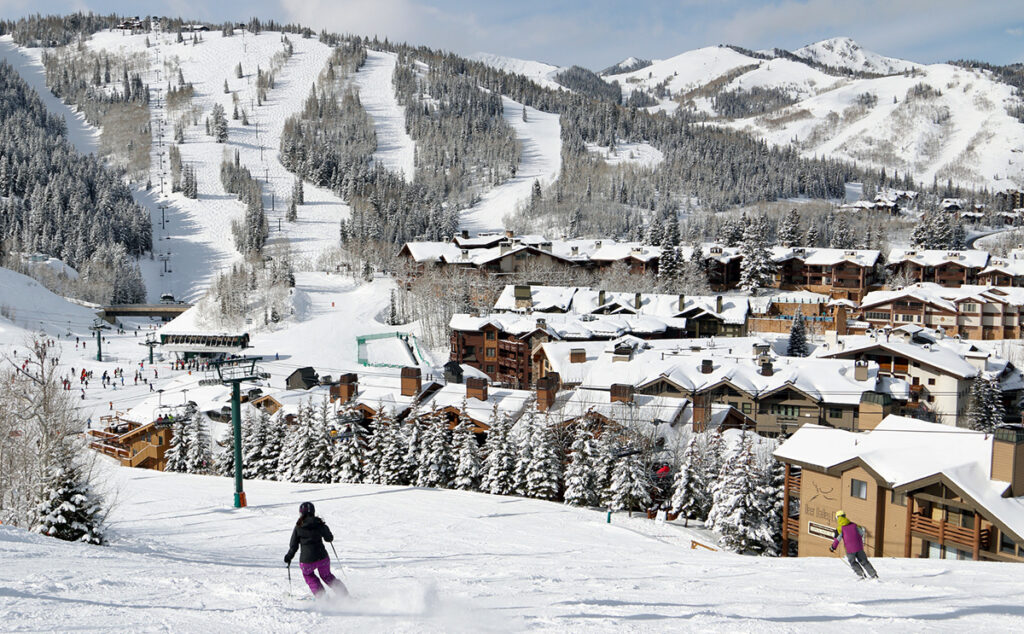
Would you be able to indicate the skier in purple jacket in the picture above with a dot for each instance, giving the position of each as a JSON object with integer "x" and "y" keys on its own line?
{"x": 849, "y": 534}
{"x": 309, "y": 536}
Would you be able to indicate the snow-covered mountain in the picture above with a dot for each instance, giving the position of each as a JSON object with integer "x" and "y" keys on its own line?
{"x": 627, "y": 65}
{"x": 540, "y": 72}
{"x": 843, "y": 52}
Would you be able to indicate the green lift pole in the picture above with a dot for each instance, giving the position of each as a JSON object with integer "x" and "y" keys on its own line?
{"x": 236, "y": 426}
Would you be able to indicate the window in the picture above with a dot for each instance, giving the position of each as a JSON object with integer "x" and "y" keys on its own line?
{"x": 931, "y": 381}
{"x": 490, "y": 369}
{"x": 877, "y": 316}
{"x": 899, "y": 499}
{"x": 746, "y": 408}
{"x": 835, "y": 412}
{"x": 490, "y": 353}
{"x": 785, "y": 411}
{"x": 1006, "y": 545}
{"x": 859, "y": 489}
{"x": 492, "y": 335}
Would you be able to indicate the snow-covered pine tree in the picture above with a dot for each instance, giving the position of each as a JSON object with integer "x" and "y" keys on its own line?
{"x": 756, "y": 269}
{"x": 307, "y": 453}
{"x": 789, "y": 229}
{"x": 631, "y": 484}
{"x": 500, "y": 458}
{"x": 199, "y": 457}
{"x": 519, "y": 438}
{"x": 413, "y": 445}
{"x": 774, "y": 476}
{"x": 544, "y": 470}
{"x": 224, "y": 462}
{"x": 219, "y": 124}
{"x": 580, "y": 475}
{"x": 269, "y": 461}
{"x": 437, "y": 468}
{"x": 813, "y": 236}
{"x": 467, "y": 455}
{"x": 348, "y": 452}
{"x": 68, "y": 509}
{"x": 986, "y": 410}
{"x": 690, "y": 486}
{"x": 738, "y": 512}
{"x": 177, "y": 448}
{"x": 375, "y": 440}
{"x": 797, "y": 346}
{"x": 393, "y": 449}
{"x": 713, "y": 459}
{"x": 843, "y": 236}
{"x": 604, "y": 464}
{"x": 254, "y": 436}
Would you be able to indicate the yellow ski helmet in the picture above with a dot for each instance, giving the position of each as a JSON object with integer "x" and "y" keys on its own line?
{"x": 840, "y": 514}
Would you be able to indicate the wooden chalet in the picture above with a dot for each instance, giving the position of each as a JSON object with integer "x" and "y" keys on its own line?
{"x": 132, "y": 443}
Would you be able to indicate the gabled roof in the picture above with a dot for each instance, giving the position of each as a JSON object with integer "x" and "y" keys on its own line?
{"x": 815, "y": 256}
{"x": 972, "y": 258}
{"x": 903, "y": 451}
{"x": 940, "y": 357}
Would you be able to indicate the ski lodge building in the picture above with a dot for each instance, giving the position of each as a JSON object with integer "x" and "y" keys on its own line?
{"x": 968, "y": 311}
{"x": 945, "y": 268}
{"x": 917, "y": 492}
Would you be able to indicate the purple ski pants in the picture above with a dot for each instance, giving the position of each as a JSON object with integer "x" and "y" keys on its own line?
{"x": 309, "y": 572}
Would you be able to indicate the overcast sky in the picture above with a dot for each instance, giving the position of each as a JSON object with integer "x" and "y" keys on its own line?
{"x": 598, "y": 33}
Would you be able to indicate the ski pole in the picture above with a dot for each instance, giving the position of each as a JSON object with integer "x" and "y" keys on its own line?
{"x": 289, "y": 577}
{"x": 341, "y": 568}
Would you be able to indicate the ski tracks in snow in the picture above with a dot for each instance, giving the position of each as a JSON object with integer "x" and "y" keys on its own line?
{"x": 396, "y": 150}
{"x": 540, "y": 138}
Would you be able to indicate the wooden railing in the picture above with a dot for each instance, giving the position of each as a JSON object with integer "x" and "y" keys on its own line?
{"x": 793, "y": 482}
{"x": 149, "y": 452}
{"x": 694, "y": 545}
{"x": 942, "y": 532}
{"x": 792, "y": 527}
{"x": 110, "y": 449}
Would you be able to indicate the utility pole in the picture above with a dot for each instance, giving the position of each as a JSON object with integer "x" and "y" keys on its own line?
{"x": 98, "y": 328}
{"x": 234, "y": 372}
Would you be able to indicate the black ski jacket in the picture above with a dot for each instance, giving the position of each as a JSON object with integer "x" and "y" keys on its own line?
{"x": 310, "y": 533}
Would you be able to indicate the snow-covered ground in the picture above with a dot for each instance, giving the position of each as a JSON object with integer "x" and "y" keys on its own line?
{"x": 396, "y": 150}
{"x": 540, "y": 138}
{"x": 420, "y": 560}
{"x": 642, "y": 154}
{"x": 843, "y": 52}
{"x": 540, "y": 72}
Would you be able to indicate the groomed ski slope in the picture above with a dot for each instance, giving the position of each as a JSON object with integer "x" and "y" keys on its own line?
{"x": 396, "y": 150}
{"x": 420, "y": 560}
{"x": 540, "y": 138}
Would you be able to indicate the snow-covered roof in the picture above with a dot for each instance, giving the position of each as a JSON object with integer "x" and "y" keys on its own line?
{"x": 643, "y": 408}
{"x": 190, "y": 322}
{"x": 826, "y": 380}
{"x": 814, "y": 256}
{"x": 945, "y": 297}
{"x": 903, "y": 450}
{"x": 507, "y": 401}
{"x": 664, "y": 306}
{"x": 1006, "y": 266}
{"x": 972, "y": 258}
{"x": 567, "y": 326}
{"x": 941, "y": 355}
{"x": 760, "y": 304}
{"x": 433, "y": 251}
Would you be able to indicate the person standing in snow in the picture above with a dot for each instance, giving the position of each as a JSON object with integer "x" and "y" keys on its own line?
{"x": 309, "y": 534}
{"x": 850, "y": 534}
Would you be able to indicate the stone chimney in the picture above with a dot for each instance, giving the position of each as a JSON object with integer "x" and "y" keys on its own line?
{"x": 637, "y": 301}
{"x": 509, "y": 233}
{"x": 706, "y": 366}
{"x": 411, "y": 381}
{"x": 718, "y": 304}
{"x": 547, "y": 390}
{"x": 577, "y": 355}
{"x": 465, "y": 234}
{"x": 766, "y": 368}
{"x": 522, "y": 295}
{"x": 600, "y": 298}
{"x": 860, "y": 370}
{"x": 682, "y": 302}
{"x": 1008, "y": 458}
{"x": 476, "y": 388}
{"x": 345, "y": 390}
{"x": 621, "y": 393}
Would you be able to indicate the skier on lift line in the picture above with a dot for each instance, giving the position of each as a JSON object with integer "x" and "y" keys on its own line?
{"x": 309, "y": 534}
{"x": 851, "y": 536}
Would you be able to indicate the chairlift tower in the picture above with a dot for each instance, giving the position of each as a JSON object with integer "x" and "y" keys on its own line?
{"x": 150, "y": 343}
{"x": 98, "y": 328}
{"x": 234, "y": 372}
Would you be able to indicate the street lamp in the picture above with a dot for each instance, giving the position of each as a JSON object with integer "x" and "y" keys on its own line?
{"x": 234, "y": 372}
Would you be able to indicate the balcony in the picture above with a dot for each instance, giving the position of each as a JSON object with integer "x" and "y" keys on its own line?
{"x": 946, "y": 533}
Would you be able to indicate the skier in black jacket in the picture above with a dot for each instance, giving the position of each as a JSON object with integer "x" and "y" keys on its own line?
{"x": 310, "y": 533}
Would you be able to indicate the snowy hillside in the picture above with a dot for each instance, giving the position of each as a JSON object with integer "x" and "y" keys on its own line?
{"x": 541, "y": 73}
{"x": 843, "y": 52}
{"x": 396, "y": 150}
{"x": 943, "y": 122}
{"x": 686, "y": 72}
{"x": 448, "y": 561}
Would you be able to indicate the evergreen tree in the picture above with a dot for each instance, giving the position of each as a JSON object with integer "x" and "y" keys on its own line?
{"x": 813, "y": 237}
{"x": 520, "y": 440}
{"x": 307, "y": 451}
{"x": 269, "y": 460}
{"x": 738, "y": 512}
{"x": 756, "y": 268}
{"x": 177, "y": 448}
{"x": 392, "y": 461}
{"x": 437, "y": 467}
{"x": 789, "y": 230}
{"x": 604, "y": 465}
{"x": 580, "y": 476}
{"x": 413, "y": 445}
{"x": 68, "y": 509}
{"x": 254, "y": 437}
{"x": 689, "y": 496}
{"x": 224, "y": 463}
{"x": 199, "y": 457}
{"x": 797, "y": 346}
{"x": 500, "y": 458}
{"x": 631, "y": 485}
{"x": 468, "y": 467}
{"x": 986, "y": 410}
{"x": 544, "y": 471}
{"x": 842, "y": 234}
{"x": 219, "y": 125}
{"x": 349, "y": 451}
{"x": 373, "y": 459}
{"x": 774, "y": 490}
